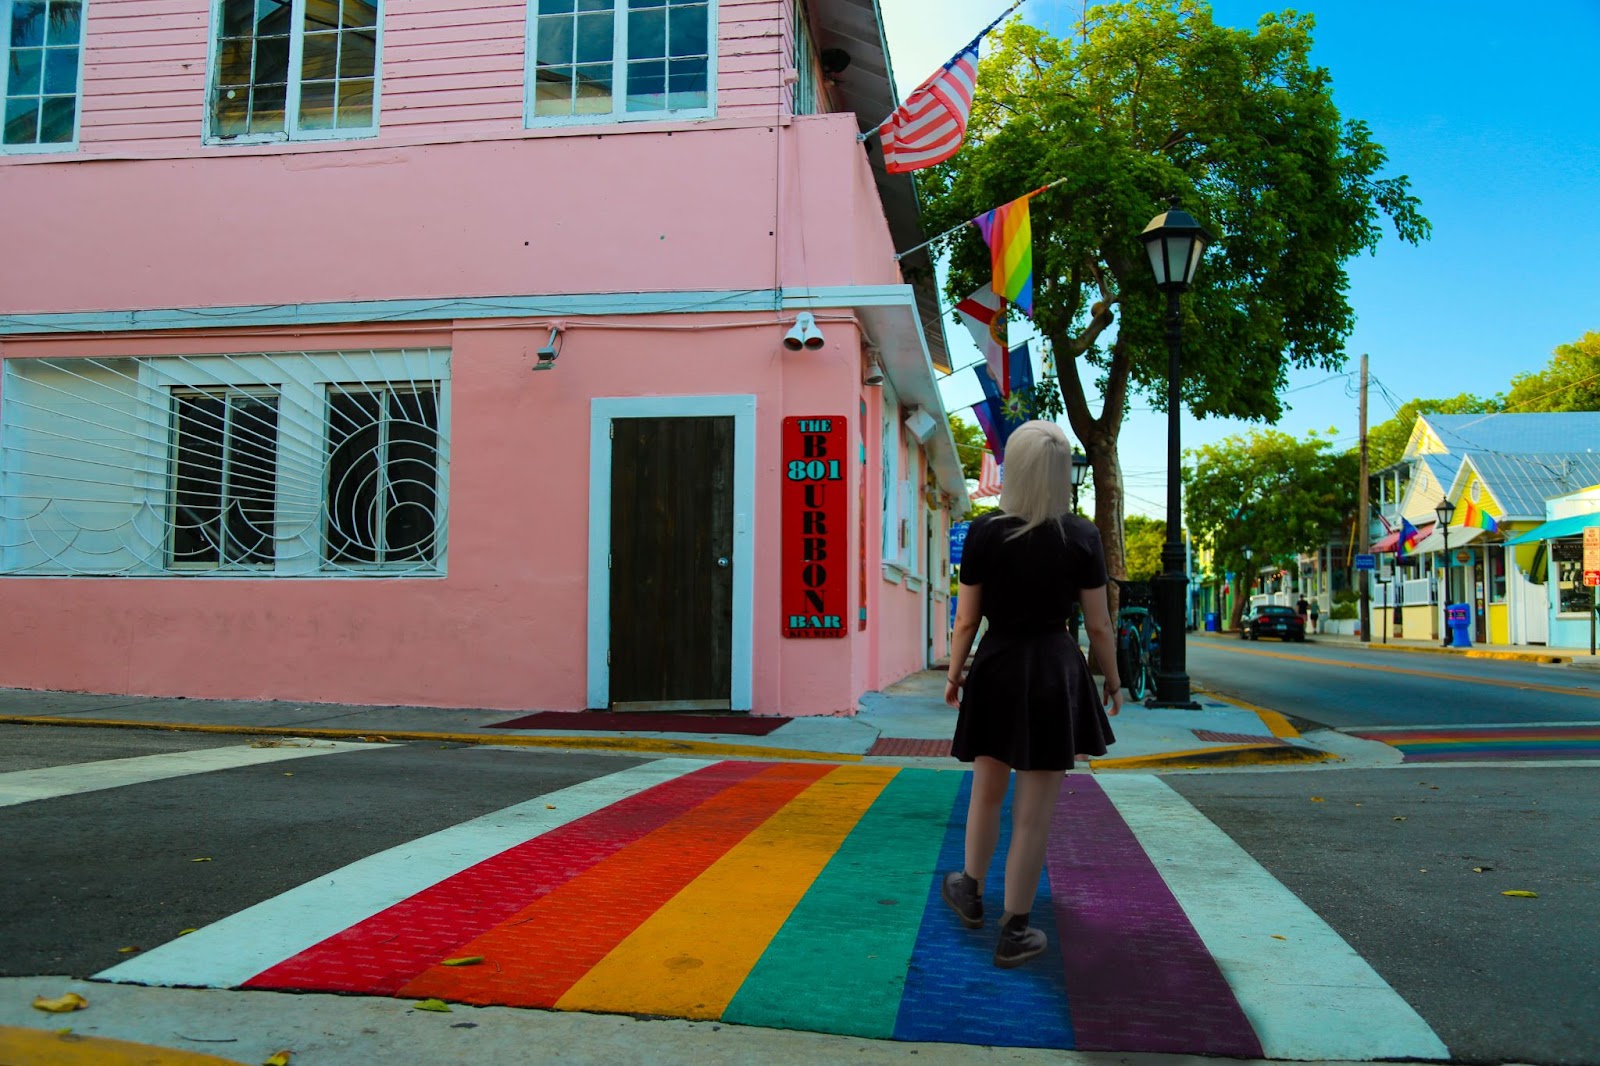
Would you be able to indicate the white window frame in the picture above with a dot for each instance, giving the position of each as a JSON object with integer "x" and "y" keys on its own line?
{"x": 300, "y": 381}
{"x": 894, "y": 554}
{"x": 291, "y": 104}
{"x": 619, "y": 97}
{"x": 226, "y": 393}
{"x": 806, "y": 98}
{"x": 5, "y": 74}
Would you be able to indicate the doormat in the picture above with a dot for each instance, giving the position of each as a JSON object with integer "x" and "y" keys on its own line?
{"x": 646, "y": 722}
{"x": 910, "y": 746}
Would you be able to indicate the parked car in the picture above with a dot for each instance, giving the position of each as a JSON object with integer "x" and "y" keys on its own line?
{"x": 1272, "y": 620}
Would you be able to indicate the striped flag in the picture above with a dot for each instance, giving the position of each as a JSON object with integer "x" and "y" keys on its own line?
{"x": 991, "y": 477}
{"x": 984, "y": 315}
{"x": 1008, "y": 231}
{"x": 928, "y": 128}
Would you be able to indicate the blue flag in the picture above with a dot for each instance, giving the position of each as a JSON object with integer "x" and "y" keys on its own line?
{"x": 991, "y": 410}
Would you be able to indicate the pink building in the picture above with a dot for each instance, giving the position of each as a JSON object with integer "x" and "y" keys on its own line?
{"x": 278, "y": 277}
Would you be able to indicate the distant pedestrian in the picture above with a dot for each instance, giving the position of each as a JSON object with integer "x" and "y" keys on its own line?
{"x": 1303, "y": 609}
{"x": 1029, "y": 702}
{"x": 1316, "y": 612}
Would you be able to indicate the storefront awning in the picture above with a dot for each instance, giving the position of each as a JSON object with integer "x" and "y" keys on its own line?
{"x": 1571, "y": 526}
{"x": 1460, "y": 537}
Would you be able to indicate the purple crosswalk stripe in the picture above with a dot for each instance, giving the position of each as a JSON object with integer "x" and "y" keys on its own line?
{"x": 1138, "y": 976}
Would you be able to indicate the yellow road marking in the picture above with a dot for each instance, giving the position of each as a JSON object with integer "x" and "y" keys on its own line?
{"x": 690, "y": 957}
{"x": 1344, "y": 663}
{"x": 36, "y": 1048}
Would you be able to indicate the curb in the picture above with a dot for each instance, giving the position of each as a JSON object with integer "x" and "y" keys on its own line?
{"x": 37, "y": 1047}
{"x": 1232, "y": 755}
{"x": 1475, "y": 653}
{"x": 622, "y": 744}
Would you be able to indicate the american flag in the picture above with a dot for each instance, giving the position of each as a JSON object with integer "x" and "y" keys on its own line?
{"x": 991, "y": 476}
{"x": 929, "y": 126}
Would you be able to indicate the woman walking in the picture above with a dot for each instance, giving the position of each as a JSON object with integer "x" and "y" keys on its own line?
{"x": 1029, "y": 702}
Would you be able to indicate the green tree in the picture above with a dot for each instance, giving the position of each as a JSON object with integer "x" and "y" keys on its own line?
{"x": 1145, "y": 536}
{"x": 1147, "y": 103}
{"x": 969, "y": 446}
{"x": 1269, "y": 492}
{"x": 1570, "y": 382}
{"x": 1386, "y": 442}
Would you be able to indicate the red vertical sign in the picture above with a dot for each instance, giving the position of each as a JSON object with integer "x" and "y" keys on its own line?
{"x": 816, "y": 507}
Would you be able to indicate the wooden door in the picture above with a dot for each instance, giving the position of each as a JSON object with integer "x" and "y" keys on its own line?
{"x": 671, "y": 563}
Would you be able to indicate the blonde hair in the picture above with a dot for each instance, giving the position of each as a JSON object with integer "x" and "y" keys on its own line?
{"x": 1038, "y": 476}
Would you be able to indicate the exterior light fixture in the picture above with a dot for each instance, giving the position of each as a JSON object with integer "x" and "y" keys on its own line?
{"x": 552, "y": 349}
{"x": 1175, "y": 242}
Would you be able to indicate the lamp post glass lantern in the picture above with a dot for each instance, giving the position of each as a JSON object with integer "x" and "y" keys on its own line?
{"x": 1080, "y": 468}
{"x": 1444, "y": 513}
{"x": 1175, "y": 243}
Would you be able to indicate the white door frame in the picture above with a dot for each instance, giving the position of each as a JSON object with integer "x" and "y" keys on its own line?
{"x": 602, "y": 410}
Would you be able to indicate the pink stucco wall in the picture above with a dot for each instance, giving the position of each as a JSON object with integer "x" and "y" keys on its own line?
{"x": 505, "y": 628}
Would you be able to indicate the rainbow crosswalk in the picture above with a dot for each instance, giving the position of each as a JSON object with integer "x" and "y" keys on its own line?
{"x": 1491, "y": 742}
{"x": 805, "y": 896}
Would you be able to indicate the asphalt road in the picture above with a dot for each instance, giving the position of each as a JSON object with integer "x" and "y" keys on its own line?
{"x": 1343, "y": 686}
{"x": 1386, "y": 857}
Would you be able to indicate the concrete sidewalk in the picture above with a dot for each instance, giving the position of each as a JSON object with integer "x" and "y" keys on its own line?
{"x": 906, "y": 724}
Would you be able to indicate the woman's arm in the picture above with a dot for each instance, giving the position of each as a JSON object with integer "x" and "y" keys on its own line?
{"x": 969, "y": 612}
{"x": 1103, "y": 642}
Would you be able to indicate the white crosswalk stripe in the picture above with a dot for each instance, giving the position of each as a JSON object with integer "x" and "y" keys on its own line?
{"x": 1308, "y": 995}
{"x": 52, "y": 782}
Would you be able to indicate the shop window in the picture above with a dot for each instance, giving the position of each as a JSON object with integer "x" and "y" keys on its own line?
{"x": 1566, "y": 558}
{"x": 41, "y": 45}
{"x": 1495, "y": 563}
{"x": 294, "y": 69}
{"x": 260, "y": 465}
{"x": 224, "y": 479}
{"x": 592, "y": 60}
{"x": 383, "y": 448}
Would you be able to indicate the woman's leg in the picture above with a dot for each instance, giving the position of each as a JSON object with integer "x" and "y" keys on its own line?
{"x": 989, "y": 780}
{"x": 1031, "y": 811}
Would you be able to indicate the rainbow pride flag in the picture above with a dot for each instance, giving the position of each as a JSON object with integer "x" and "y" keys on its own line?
{"x": 1476, "y": 517}
{"x": 1410, "y": 537}
{"x": 1008, "y": 230}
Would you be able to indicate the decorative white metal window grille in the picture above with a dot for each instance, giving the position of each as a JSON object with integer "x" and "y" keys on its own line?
{"x": 284, "y": 465}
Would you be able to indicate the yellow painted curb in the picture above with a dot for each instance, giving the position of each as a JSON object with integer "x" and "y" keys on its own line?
{"x": 1473, "y": 653}
{"x": 1277, "y": 724}
{"x": 1231, "y": 755}
{"x": 647, "y": 745}
{"x": 32, "y": 1047}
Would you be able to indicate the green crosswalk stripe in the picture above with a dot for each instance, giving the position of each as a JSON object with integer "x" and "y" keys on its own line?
{"x": 839, "y": 963}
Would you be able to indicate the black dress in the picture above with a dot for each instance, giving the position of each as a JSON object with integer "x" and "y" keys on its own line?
{"x": 1029, "y": 699}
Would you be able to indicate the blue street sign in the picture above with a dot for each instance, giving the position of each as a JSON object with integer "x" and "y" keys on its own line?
{"x": 958, "y": 540}
{"x": 1366, "y": 562}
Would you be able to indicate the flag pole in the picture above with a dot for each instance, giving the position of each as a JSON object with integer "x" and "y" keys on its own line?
{"x": 963, "y": 225}
{"x": 862, "y": 137}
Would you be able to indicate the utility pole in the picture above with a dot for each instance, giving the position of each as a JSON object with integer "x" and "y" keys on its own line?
{"x": 1363, "y": 523}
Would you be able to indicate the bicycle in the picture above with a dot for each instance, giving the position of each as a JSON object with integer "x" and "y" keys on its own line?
{"x": 1138, "y": 640}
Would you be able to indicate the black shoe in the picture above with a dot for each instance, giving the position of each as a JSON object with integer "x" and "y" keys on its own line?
{"x": 1018, "y": 942}
{"x": 961, "y": 892}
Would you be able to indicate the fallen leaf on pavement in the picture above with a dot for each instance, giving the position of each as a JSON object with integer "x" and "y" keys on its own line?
{"x": 186, "y": 932}
{"x": 465, "y": 960}
{"x": 1520, "y": 892}
{"x": 433, "y": 1004}
{"x": 1481, "y": 869}
{"x": 1279, "y": 936}
{"x": 288, "y": 775}
{"x": 61, "y": 1004}
{"x": 549, "y": 806}
{"x": 279, "y": 1058}
{"x": 206, "y": 859}
{"x": 1399, "y": 817}
{"x": 1318, "y": 799}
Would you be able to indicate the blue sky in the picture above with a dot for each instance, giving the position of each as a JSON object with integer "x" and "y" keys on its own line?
{"x": 1491, "y": 110}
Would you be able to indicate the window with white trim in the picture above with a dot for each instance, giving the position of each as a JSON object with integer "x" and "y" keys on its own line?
{"x": 805, "y": 62}
{"x": 264, "y": 465}
{"x": 294, "y": 69}
{"x": 42, "y": 44}
{"x": 591, "y": 60}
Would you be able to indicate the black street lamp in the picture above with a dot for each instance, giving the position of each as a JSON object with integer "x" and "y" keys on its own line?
{"x": 1080, "y": 467}
{"x": 1175, "y": 242}
{"x": 1444, "y": 513}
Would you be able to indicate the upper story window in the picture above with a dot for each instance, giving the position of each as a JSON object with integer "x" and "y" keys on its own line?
{"x": 294, "y": 69}
{"x": 805, "y": 62}
{"x": 42, "y": 45}
{"x": 595, "y": 60}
